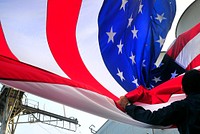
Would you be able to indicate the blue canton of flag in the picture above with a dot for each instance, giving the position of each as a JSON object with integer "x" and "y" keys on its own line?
{"x": 168, "y": 69}
{"x": 131, "y": 36}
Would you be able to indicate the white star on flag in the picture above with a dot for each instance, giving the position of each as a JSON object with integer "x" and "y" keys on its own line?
{"x": 173, "y": 75}
{"x": 161, "y": 41}
{"x": 134, "y": 31}
{"x": 140, "y": 8}
{"x": 135, "y": 81}
{"x": 132, "y": 57}
{"x": 130, "y": 21}
{"x": 160, "y": 18}
{"x": 111, "y": 35}
{"x": 120, "y": 74}
{"x": 156, "y": 79}
{"x": 143, "y": 63}
{"x": 120, "y": 47}
{"x": 123, "y": 4}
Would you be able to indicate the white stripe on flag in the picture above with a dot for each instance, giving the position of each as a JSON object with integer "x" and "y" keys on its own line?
{"x": 189, "y": 52}
{"x": 87, "y": 40}
{"x": 24, "y": 26}
{"x": 85, "y": 100}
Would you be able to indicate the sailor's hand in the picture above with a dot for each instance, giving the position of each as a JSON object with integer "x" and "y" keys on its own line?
{"x": 123, "y": 101}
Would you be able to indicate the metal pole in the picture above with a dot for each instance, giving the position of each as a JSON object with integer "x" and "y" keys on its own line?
{"x": 152, "y": 131}
{"x": 14, "y": 127}
{"x": 4, "y": 124}
{"x": 7, "y": 113}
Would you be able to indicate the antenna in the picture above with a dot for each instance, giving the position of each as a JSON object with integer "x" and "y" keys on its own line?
{"x": 12, "y": 107}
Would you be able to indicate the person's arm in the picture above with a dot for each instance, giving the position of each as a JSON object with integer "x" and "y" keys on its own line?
{"x": 166, "y": 116}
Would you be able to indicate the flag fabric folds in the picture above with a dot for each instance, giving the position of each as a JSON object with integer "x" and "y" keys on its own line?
{"x": 131, "y": 47}
{"x": 84, "y": 54}
{"x": 183, "y": 55}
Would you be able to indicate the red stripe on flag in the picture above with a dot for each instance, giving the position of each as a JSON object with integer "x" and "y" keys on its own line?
{"x": 195, "y": 63}
{"x": 4, "y": 49}
{"x": 61, "y": 26}
{"x": 18, "y": 71}
{"x": 159, "y": 94}
{"x": 61, "y": 31}
{"x": 182, "y": 41}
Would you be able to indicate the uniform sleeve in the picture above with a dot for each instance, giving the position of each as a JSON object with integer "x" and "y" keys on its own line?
{"x": 165, "y": 116}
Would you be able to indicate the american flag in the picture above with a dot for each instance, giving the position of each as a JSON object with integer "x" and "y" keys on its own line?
{"x": 131, "y": 47}
{"x": 83, "y": 53}
{"x": 183, "y": 55}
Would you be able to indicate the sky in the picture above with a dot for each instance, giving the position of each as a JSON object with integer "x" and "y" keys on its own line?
{"x": 181, "y": 6}
{"x": 85, "y": 119}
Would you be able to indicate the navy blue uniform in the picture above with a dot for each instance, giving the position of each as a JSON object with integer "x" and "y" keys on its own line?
{"x": 185, "y": 114}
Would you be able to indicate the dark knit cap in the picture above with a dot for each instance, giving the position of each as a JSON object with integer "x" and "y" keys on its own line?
{"x": 191, "y": 82}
